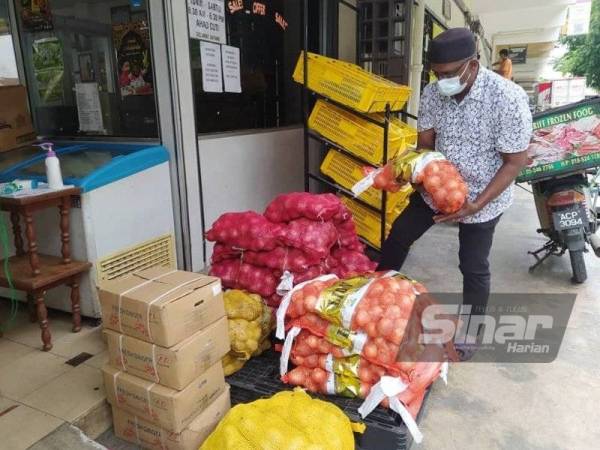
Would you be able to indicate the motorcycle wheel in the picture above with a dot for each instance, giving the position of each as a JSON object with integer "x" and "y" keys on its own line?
{"x": 578, "y": 266}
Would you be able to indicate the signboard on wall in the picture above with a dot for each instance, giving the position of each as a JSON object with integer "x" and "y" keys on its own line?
{"x": 579, "y": 17}
{"x": 518, "y": 55}
{"x": 132, "y": 42}
{"x": 207, "y": 20}
{"x": 36, "y": 15}
{"x": 48, "y": 69}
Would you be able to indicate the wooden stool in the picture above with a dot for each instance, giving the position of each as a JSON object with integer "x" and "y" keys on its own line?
{"x": 35, "y": 273}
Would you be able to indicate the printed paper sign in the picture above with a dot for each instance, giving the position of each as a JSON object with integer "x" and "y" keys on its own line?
{"x": 212, "y": 76}
{"x": 207, "y": 20}
{"x": 89, "y": 110}
{"x": 231, "y": 69}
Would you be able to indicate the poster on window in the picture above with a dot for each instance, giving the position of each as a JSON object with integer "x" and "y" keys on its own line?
{"x": 36, "y": 15}
{"x": 132, "y": 44}
{"x": 207, "y": 20}
{"x": 89, "y": 110}
{"x": 212, "y": 74}
{"x": 232, "y": 77}
{"x": 48, "y": 69}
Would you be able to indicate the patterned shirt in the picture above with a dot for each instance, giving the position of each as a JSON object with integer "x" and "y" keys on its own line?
{"x": 492, "y": 119}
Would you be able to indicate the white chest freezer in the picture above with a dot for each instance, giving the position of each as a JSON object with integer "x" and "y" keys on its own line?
{"x": 123, "y": 220}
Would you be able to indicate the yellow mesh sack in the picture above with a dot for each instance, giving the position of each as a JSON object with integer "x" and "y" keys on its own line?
{"x": 289, "y": 420}
{"x": 250, "y": 321}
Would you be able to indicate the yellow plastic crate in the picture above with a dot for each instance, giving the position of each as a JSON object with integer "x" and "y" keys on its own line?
{"x": 346, "y": 172}
{"x": 368, "y": 224}
{"x": 359, "y": 136}
{"x": 350, "y": 85}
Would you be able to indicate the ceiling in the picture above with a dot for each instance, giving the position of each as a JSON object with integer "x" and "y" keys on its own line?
{"x": 495, "y": 6}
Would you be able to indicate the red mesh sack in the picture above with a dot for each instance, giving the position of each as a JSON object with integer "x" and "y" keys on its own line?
{"x": 313, "y": 238}
{"x": 222, "y": 252}
{"x": 296, "y": 205}
{"x": 246, "y": 230}
{"x": 237, "y": 275}
{"x": 347, "y": 236}
{"x": 352, "y": 263}
{"x": 282, "y": 258}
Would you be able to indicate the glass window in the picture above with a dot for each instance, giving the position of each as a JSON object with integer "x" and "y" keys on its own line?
{"x": 268, "y": 35}
{"x": 8, "y": 63}
{"x": 88, "y": 65}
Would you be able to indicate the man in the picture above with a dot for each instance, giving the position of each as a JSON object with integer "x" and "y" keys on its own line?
{"x": 505, "y": 65}
{"x": 481, "y": 123}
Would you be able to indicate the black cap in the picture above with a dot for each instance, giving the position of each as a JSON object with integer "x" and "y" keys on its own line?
{"x": 452, "y": 45}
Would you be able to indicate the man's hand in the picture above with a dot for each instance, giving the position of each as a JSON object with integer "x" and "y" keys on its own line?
{"x": 468, "y": 209}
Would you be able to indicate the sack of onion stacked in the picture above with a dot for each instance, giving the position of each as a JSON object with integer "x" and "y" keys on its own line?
{"x": 346, "y": 336}
{"x": 301, "y": 235}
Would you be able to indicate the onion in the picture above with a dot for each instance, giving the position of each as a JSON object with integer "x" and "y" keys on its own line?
{"x": 319, "y": 376}
{"x": 370, "y": 350}
{"x": 311, "y": 361}
{"x": 364, "y": 373}
{"x": 365, "y": 388}
{"x": 432, "y": 184}
{"x": 296, "y": 377}
{"x": 362, "y": 318}
{"x": 371, "y": 329}
{"x": 312, "y": 341}
{"x": 385, "y": 326}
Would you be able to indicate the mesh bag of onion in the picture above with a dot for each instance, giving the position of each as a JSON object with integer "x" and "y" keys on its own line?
{"x": 440, "y": 178}
{"x": 297, "y": 205}
{"x": 245, "y": 230}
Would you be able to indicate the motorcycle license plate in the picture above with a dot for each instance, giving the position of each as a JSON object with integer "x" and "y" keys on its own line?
{"x": 568, "y": 219}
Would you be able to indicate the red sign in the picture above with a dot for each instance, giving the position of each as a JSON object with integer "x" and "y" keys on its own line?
{"x": 259, "y": 8}
{"x": 235, "y": 5}
{"x": 281, "y": 21}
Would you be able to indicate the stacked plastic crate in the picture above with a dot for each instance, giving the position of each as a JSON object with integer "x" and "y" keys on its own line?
{"x": 356, "y": 118}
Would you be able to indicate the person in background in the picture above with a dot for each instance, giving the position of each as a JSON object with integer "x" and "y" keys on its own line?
{"x": 482, "y": 124}
{"x": 504, "y": 65}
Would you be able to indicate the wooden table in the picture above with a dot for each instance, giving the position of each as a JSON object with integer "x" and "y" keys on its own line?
{"x": 35, "y": 273}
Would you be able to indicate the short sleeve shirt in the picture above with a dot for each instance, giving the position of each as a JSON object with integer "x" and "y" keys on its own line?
{"x": 492, "y": 119}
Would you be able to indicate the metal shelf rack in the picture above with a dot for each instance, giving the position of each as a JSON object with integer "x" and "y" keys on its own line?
{"x": 378, "y": 22}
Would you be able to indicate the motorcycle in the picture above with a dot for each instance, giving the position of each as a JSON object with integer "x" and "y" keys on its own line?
{"x": 568, "y": 211}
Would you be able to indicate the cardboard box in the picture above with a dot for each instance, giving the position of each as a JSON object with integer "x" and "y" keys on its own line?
{"x": 168, "y": 408}
{"x": 161, "y": 305}
{"x": 174, "y": 367}
{"x": 147, "y": 435}
{"x": 15, "y": 121}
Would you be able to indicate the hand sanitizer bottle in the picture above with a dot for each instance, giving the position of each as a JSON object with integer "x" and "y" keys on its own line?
{"x": 53, "y": 173}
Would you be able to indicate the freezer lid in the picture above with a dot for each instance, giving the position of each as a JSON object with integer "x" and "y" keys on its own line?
{"x": 94, "y": 165}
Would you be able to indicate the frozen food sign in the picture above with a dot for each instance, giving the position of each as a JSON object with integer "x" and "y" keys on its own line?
{"x": 564, "y": 140}
{"x": 207, "y": 20}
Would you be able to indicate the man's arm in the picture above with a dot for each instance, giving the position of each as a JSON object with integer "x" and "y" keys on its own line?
{"x": 512, "y": 165}
{"x": 426, "y": 139}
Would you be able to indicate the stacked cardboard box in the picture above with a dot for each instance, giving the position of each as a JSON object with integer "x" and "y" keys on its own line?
{"x": 167, "y": 332}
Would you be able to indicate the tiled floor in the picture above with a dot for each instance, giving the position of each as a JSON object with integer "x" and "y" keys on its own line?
{"x": 39, "y": 388}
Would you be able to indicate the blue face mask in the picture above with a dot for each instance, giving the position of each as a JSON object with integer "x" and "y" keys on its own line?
{"x": 452, "y": 86}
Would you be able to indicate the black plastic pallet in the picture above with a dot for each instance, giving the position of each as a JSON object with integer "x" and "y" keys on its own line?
{"x": 259, "y": 378}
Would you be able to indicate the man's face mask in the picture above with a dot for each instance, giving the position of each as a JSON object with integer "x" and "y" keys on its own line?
{"x": 453, "y": 86}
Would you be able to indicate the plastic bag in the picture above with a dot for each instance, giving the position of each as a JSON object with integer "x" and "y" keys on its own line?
{"x": 297, "y": 205}
{"x": 291, "y": 420}
{"x": 313, "y": 238}
{"x": 245, "y": 230}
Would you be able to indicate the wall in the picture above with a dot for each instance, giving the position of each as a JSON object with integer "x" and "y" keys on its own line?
{"x": 245, "y": 171}
{"x": 347, "y": 33}
{"x": 457, "y": 18}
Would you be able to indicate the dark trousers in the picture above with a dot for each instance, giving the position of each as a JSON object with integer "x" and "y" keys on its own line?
{"x": 475, "y": 243}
